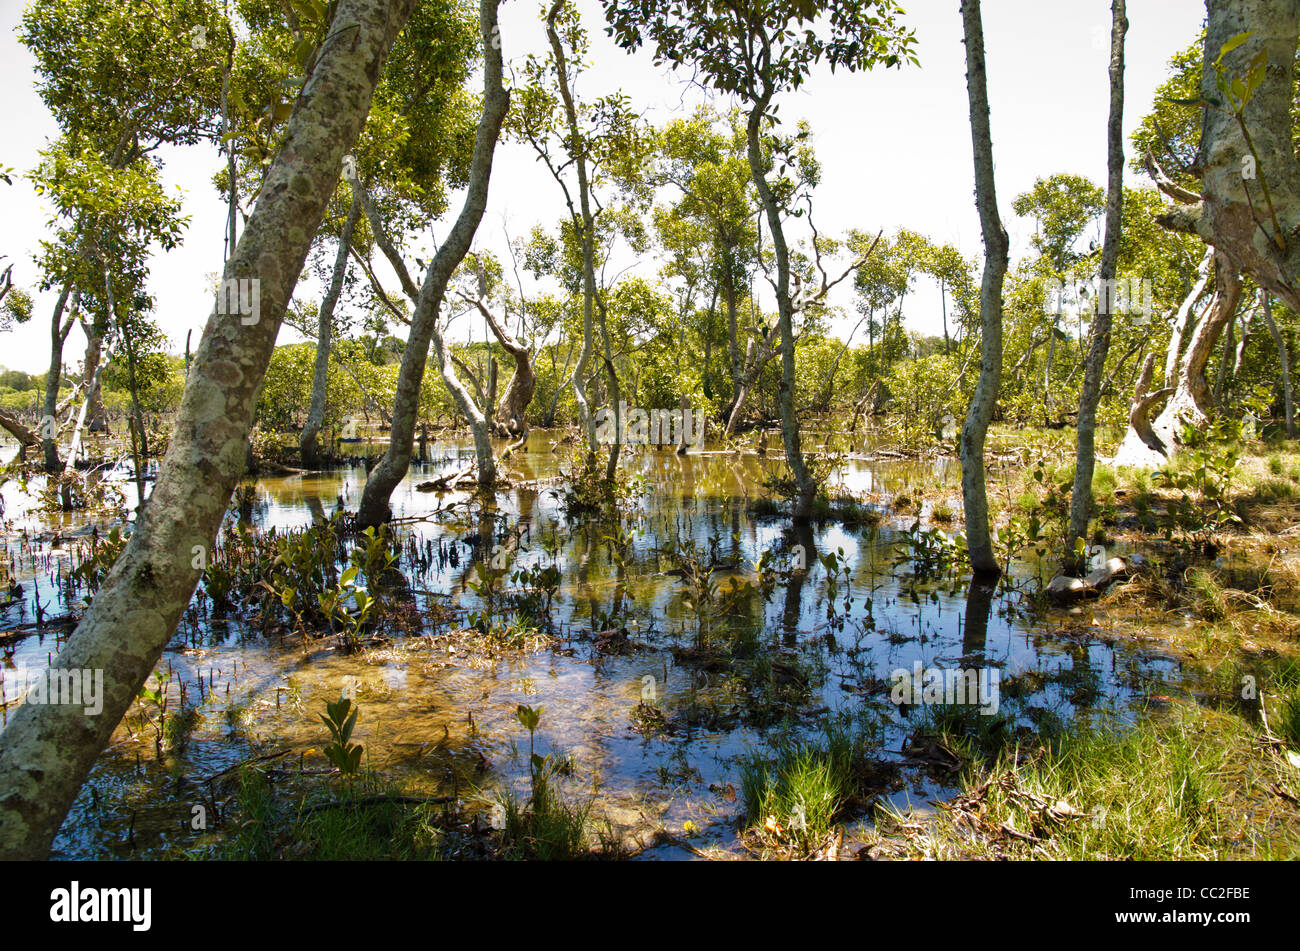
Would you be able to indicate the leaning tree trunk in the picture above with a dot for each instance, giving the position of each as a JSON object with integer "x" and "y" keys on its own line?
{"x": 1192, "y": 401}
{"x": 996, "y": 252}
{"x": 757, "y": 355}
{"x": 805, "y": 485}
{"x": 385, "y": 476}
{"x": 26, "y": 438}
{"x": 59, "y": 330}
{"x": 1085, "y": 457}
{"x": 48, "y": 749}
{"x": 324, "y": 326}
{"x": 511, "y": 417}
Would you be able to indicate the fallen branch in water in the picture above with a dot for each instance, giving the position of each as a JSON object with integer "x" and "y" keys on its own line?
{"x": 446, "y": 481}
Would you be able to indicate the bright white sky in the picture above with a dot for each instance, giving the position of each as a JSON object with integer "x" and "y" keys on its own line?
{"x": 894, "y": 145}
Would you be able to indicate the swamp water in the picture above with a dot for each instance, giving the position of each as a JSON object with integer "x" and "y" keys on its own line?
{"x": 649, "y": 698}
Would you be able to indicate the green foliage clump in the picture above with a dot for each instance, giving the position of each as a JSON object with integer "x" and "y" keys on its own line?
{"x": 794, "y": 793}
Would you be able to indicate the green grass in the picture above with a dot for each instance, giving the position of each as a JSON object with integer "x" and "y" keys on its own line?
{"x": 844, "y": 509}
{"x": 179, "y": 725}
{"x": 1104, "y": 482}
{"x": 546, "y": 828}
{"x": 1206, "y": 595}
{"x": 270, "y": 826}
{"x": 1287, "y": 717}
{"x": 798, "y": 790}
{"x": 1137, "y": 482}
{"x": 973, "y": 732}
{"x": 1273, "y": 490}
{"x": 1187, "y": 784}
{"x": 1029, "y": 502}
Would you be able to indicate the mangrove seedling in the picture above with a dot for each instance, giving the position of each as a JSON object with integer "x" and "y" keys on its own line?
{"x": 340, "y": 717}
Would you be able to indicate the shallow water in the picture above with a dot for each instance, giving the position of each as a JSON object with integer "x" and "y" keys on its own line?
{"x": 443, "y": 721}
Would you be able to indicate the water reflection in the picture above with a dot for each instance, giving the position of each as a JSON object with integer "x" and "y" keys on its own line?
{"x": 442, "y": 719}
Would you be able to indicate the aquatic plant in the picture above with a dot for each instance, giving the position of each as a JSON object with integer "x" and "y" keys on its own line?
{"x": 155, "y": 698}
{"x": 930, "y": 552}
{"x": 587, "y": 491}
{"x": 340, "y": 718}
{"x": 838, "y": 573}
{"x": 536, "y": 592}
{"x": 103, "y": 554}
{"x": 545, "y": 828}
{"x": 333, "y": 603}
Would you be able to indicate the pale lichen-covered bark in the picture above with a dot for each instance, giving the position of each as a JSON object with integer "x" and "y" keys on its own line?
{"x": 1140, "y": 446}
{"x": 1144, "y": 398}
{"x": 478, "y": 421}
{"x": 1191, "y": 401}
{"x": 1249, "y": 206}
{"x": 1248, "y": 209}
{"x": 996, "y": 253}
{"x": 96, "y": 421}
{"x": 1185, "y": 319}
{"x": 1085, "y": 457}
{"x": 374, "y": 508}
{"x": 47, "y": 750}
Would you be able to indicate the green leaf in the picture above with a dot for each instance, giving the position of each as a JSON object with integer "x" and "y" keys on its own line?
{"x": 302, "y": 52}
{"x": 1231, "y": 44}
{"x": 528, "y": 717}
